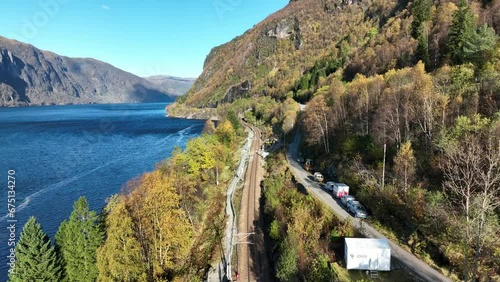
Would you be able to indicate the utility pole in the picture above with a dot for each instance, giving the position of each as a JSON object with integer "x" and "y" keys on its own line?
{"x": 383, "y": 168}
{"x": 383, "y": 164}
{"x": 217, "y": 175}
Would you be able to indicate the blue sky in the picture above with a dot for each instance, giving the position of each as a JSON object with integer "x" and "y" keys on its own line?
{"x": 143, "y": 37}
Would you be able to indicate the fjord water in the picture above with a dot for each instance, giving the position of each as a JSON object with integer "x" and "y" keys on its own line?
{"x": 60, "y": 153}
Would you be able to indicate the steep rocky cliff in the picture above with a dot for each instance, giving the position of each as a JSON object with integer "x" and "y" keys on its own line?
{"x": 29, "y": 76}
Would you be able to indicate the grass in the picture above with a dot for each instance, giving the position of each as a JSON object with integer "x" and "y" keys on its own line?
{"x": 397, "y": 275}
{"x": 390, "y": 234}
{"x": 387, "y": 232}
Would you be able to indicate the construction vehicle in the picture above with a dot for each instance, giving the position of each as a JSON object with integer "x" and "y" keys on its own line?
{"x": 309, "y": 165}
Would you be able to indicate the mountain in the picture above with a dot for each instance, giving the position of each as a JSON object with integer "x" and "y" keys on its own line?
{"x": 309, "y": 41}
{"x": 172, "y": 84}
{"x": 30, "y": 76}
{"x": 270, "y": 57}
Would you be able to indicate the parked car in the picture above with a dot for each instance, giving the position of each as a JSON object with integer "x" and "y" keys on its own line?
{"x": 318, "y": 176}
{"x": 329, "y": 186}
{"x": 352, "y": 203}
{"x": 356, "y": 209}
{"x": 346, "y": 199}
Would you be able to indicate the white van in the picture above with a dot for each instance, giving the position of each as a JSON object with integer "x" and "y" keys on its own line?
{"x": 318, "y": 176}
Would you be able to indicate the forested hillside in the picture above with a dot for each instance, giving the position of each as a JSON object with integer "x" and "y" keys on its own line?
{"x": 403, "y": 105}
{"x": 420, "y": 145}
{"x": 297, "y": 48}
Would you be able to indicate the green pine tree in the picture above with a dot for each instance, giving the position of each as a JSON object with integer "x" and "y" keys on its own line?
{"x": 480, "y": 45}
{"x": 421, "y": 12}
{"x": 78, "y": 240}
{"x": 287, "y": 262}
{"x": 36, "y": 258}
{"x": 422, "y": 53}
{"x": 461, "y": 30}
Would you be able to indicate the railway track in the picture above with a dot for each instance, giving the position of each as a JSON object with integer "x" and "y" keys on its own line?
{"x": 249, "y": 246}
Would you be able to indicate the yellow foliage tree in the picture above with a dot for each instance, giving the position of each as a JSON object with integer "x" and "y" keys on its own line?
{"x": 225, "y": 132}
{"x": 162, "y": 226}
{"x": 119, "y": 259}
{"x": 404, "y": 167}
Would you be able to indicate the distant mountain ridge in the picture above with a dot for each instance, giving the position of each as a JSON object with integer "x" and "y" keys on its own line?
{"x": 30, "y": 76}
{"x": 172, "y": 84}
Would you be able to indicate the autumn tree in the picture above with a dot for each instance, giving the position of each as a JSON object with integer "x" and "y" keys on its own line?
{"x": 289, "y": 110}
{"x": 162, "y": 227}
{"x": 226, "y": 132}
{"x": 359, "y": 103}
{"x": 471, "y": 167}
{"x": 119, "y": 258}
{"x": 335, "y": 98}
{"x": 177, "y": 167}
{"x": 489, "y": 101}
{"x": 427, "y": 105}
{"x": 464, "y": 96}
{"x": 36, "y": 259}
{"x": 404, "y": 167}
{"x": 317, "y": 121}
{"x": 438, "y": 35}
{"x": 209, "y": 127}
{"x": 78, "y": 239}
{"x": 395, "y": 115}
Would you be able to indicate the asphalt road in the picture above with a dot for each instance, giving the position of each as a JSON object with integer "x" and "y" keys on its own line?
{"x": 420, "y": 268}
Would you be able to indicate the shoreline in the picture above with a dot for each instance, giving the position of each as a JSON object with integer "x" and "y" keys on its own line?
{"x": 172, "y": 110}
{"x": 80, "y": 104}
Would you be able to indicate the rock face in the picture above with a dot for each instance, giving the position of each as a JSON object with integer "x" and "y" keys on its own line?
{"x": 282, "y": 30}
{"x": 235, "y": 92}
{"x": 29, "y": 76}
{"x": 287, "y": 29}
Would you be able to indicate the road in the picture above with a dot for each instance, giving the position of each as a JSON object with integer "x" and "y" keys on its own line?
{"x": 252, "y": 264}
{"x": 420, "y": 268}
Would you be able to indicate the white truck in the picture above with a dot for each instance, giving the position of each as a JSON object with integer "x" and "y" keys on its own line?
{"x": 367, "y": 254}
{"x": 339, "y": 190}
